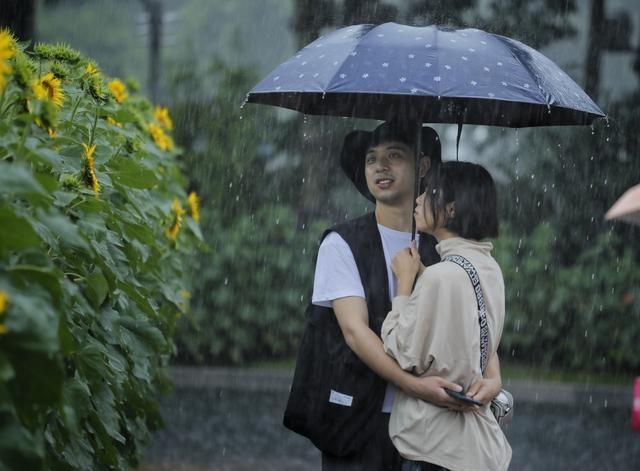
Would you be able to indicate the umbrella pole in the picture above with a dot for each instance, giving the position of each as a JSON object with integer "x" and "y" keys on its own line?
{"x": 416, "y": 187}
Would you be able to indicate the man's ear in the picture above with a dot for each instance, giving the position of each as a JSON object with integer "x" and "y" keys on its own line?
{"x": 425, "y": 165}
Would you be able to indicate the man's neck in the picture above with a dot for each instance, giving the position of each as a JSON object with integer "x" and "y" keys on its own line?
{"x": 398, "y": 218}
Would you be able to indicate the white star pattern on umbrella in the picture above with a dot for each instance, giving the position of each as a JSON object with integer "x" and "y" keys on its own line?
{"x": 551, "y": 81}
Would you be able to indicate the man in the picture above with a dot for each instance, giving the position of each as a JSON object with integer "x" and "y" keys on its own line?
{"x": 354, "y": 283}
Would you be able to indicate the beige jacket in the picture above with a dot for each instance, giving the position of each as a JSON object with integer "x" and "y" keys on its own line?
{"x": 435, "y": 332}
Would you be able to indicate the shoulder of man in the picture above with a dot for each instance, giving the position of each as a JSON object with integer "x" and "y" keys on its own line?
{"x": 352, "y": 225}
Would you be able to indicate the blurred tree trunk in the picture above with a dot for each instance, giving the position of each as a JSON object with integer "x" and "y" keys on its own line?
{"x": 318, "y": 168}
{"x": 19, "y": 17}
{"x": 310, "y": 17}
{"x": 154, "y": 10}
{"x": 594, "y": 49}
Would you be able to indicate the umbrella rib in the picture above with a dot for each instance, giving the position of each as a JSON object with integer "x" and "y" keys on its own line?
{"x": 506, "y": 41}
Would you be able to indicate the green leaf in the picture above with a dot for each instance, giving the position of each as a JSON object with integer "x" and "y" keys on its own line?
{"x": 6, "y": 370}
{"x": 17, "y": 233}
{"x": 130, "y": 173}
{"x": 97, "y": 288}
{"x": 17, "y": 178}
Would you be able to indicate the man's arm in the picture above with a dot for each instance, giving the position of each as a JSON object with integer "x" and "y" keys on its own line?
{"x": 352, "y": 316}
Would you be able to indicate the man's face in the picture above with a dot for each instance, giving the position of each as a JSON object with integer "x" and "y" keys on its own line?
{"x": 389, "y": 171}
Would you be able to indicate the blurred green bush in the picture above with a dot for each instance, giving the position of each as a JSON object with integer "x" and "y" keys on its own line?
{"x": 93, "y": 249}
{"x": 253, "y": 289}
{"x": 582, "y": 316}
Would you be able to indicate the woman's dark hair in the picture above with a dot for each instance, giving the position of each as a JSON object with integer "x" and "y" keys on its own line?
{"x": 472, "y": 189}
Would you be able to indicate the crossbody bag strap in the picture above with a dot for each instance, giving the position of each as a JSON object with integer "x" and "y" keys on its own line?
{"x": 482, "y": 309}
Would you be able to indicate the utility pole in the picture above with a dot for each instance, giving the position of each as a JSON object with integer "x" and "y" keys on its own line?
{"x": 594, "y": 49}
{"x": 155, "y": 11}
{"x": 19, "y": 16}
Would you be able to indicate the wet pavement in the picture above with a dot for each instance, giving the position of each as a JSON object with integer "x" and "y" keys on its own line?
{"x": 230, "y": 429}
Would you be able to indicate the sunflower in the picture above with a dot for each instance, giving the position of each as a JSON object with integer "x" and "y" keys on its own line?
{"x": 118, "y": 90}
{"x": 91, "y": 69}
{"x": 113, "y": 122}
{"x": 163, "y": 141}
{"x": 88, "y": 169}
{"x": 161, "y": 115}
{"x": 4, "y": 301}
{"x": 176, "y": 223}
{"x": 49, "y": 88}
{"x": 194, "y": 205}
{"x": 7, "y": 51}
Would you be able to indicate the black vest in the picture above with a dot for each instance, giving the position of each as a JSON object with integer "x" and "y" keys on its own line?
{"x": 334, "y": 395}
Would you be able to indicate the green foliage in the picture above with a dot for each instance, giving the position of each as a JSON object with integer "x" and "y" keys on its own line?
{"x": 583, "y": 316}
{"x": 90, "y": 270}
{"x": 253, "y": 288}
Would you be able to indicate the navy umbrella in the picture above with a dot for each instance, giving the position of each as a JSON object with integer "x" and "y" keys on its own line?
{"x": 427, "y": 74}
{"x": 434, "y": 74}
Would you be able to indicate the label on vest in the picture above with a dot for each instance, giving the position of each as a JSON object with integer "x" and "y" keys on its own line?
{"x": 341, "y": 399}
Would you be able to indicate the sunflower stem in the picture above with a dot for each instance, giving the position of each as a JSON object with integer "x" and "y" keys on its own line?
{"x": 75, "y": 108}
{"x": 93, "y": 128}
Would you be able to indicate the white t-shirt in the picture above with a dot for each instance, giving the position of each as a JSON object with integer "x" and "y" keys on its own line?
{"x": 337, "y": 275}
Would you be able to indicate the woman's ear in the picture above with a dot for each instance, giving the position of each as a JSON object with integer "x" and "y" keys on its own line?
{"x": 451, "y": 210}
{"x": 425, "y": 165}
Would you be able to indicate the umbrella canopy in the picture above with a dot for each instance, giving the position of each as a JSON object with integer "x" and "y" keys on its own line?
{"x": 432, "y": 74}
{"x": 627, "y": 208}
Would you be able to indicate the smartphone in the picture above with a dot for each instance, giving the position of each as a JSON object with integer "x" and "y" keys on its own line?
{"x": 462, "y": 397}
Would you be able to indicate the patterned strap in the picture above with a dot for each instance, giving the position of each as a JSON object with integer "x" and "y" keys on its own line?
{"x": 482, "y": 309}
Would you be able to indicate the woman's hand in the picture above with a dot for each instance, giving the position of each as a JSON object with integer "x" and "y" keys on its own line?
{"x": 485, "y": 389}
{"x": 406, "y": 265}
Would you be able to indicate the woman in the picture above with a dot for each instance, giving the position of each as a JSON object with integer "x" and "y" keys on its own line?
{"x": 435, "y": 330}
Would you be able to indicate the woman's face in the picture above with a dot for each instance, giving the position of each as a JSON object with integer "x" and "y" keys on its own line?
{"x": 424, "y": 216}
